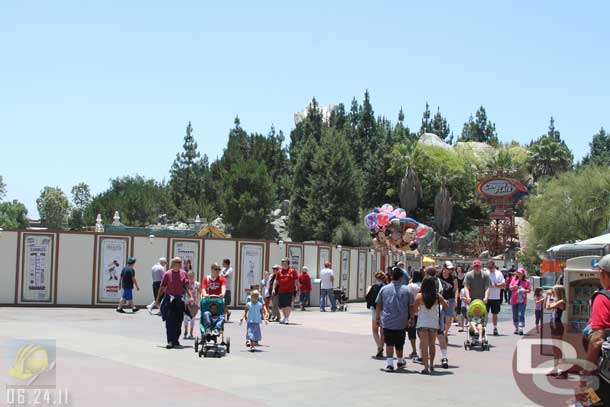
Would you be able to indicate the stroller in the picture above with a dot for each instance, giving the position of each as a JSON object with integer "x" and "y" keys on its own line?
{"x": 476, "y": 310}
{"x": 340, "y": 299}
{"x": 208, "y": 343}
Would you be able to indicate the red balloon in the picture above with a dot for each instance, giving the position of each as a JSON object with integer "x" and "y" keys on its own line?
{"x": 382, "y": 219}
{"x": 421, "y": 231}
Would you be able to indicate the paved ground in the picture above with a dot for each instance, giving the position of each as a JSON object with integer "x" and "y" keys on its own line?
{"x": 105, "y": 359}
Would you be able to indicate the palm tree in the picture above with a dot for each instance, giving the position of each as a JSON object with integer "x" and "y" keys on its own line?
{"x": 443, "y": 202}
{"x": 548, "y": 157}
{"x": 410, "y": 186}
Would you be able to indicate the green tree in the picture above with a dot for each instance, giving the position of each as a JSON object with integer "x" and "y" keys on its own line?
{"x": 440, "y": 127}
{"x": 334, "y": 194}
{"x": 299, "y": 229}
{"x": 426, "y": 122}
{"x": 600, "y": 149}
{"x": 443, "y": 202}
{"x": 140, "y": 202}
{"x": 247, "y": 199}
{"x": 548, "y": 156}
{"x": 53, "y": 207}
{"x": 571, "y": 206}
{"x": 480, "y": 129}
{"x": 13, "y": 215}
{"x": 553, "y": 132}
{"x": 2, "y": 188}
{"x": 81, "y": 198}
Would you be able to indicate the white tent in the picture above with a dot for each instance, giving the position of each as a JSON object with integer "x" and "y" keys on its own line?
{"x": 603, "y": 240}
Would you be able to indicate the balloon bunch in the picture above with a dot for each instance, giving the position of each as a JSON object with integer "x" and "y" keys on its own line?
{"x": 391, "y": 229}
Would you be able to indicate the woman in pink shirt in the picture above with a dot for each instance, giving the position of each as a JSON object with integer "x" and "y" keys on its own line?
{"x": 519, "y": 287}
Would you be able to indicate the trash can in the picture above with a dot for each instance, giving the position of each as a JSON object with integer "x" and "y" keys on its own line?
{"x": 314, "y": 297}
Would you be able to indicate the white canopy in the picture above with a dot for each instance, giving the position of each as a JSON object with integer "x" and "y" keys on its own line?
{"x": 603, "y": 239}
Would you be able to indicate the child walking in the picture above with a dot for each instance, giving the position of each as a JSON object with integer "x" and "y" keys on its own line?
{"x": 539, "y": 300}
{"x": 254, "y": 313}
{"x": 189, "y": 322}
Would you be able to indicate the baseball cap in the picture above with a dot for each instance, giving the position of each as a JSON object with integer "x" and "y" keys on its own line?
{"x": 275, "y": 267}
{"x": 476, "y": 263}
{"x": 604, "y": 263}
{"x": 327, "y": 264}
{"x": 131, "y": 260}
{"x": 449, "y": 265}
{"x": 521, "y": 270}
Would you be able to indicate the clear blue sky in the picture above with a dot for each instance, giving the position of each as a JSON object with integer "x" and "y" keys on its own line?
{"x": 91, "y": 90}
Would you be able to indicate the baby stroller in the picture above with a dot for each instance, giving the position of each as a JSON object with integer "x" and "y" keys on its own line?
{"x": 476, "y": 311}
{"x": 340, "y": 299}
{"x": 209, "y": 341}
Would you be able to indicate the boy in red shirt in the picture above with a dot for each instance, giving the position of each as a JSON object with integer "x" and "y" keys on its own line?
{"x": 304, "y": 287}
{"x": 285, "y": 285}
{"x": 214, "y": 285}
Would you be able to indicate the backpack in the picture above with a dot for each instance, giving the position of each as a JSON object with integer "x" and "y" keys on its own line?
{"x": 371, "y": 295}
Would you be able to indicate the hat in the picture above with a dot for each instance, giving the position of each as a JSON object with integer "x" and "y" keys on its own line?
{"x": 285, "y": 260}
{"x": 162, "y": 260}
{"x": 521, "y": 270}
{"x": 449, "y": 265}
{"x": 400, "y": 263}
{"x": 327, "y": 264}
{"x": 476, "y": 263}
{"x": 604, "y": 263}
{"x": 275, "y": 267}
{"x": 305, "y": 269}
{"x": 131, "y": 260}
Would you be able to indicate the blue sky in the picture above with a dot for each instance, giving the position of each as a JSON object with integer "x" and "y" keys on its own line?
{"x": 93, "y": 90}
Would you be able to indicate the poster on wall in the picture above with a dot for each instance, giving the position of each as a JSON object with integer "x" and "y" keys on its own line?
{"x": 373, "y": 268}
{"x": 188, "y": 251}
{"x": 324, "y": 257}
{"x": 295, "y": 255}
{"x": 251, "y": 269}
{"x": 113, "y": 257}
{"x": 344, "y": 268}
{"x": 38, "y": 268}
{"x": 361, "y": 274}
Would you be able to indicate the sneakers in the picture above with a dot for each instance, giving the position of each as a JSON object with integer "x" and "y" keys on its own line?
{"x": 516, "y": 331}
{"x": 120, "y": 310}
{"x": 521, "y": 331}
{"x": 134, "y": 310}
{"x": 169, "y": 346}
{"x": 389, "y": 368}
{"x": 495, "y": 331}
{"x": 401, "y": 365}
{"x": 445, "y": 363}
{"x": 149, "y": 308}
{"x": 419, "y": 360}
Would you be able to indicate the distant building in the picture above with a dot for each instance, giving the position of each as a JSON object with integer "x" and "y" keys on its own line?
{"x": 326, "y": 111}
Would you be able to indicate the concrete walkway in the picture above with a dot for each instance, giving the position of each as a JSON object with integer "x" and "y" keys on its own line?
{"x": 321, "y": 359}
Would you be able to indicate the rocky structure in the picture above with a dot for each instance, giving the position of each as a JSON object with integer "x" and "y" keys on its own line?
{"x": 431, "y": 139}
{"x": 326, "y": 111}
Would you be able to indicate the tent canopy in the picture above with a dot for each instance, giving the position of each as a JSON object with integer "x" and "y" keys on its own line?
{"x": 603, "y": 239}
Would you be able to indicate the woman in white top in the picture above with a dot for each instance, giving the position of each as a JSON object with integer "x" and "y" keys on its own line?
{"x": 414, "y": 287}
{"x": 428, "y": 312}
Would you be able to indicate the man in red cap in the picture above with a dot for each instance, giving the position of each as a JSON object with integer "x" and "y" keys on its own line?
{"x": 327, "y": 284}
{"x": 477, "y": 283}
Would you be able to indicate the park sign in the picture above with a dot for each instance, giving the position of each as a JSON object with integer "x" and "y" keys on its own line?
{"x": 498, "y": 188}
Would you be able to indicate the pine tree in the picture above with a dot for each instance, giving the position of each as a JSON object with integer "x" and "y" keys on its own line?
{"x": 298, "y": 228}
{"x": 600, "y": 149}
{"x": 426, "y": 123}
{"x": 440, "y": 127}
{"x": 480, "y": 129}
{"x": 553, "y": 132}
{"x": 186, "y": 176}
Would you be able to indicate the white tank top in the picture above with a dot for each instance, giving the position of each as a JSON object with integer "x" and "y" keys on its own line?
{"x": 428, "y": 318}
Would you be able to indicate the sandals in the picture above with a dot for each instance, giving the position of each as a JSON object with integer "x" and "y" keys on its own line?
{"x": 379, "y": 353}
{"x": 426, "y": 372}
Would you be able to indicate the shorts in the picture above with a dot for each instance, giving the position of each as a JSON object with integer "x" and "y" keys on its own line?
{"x": 227, "y": 297}
{"x": 188, "y": 320}
{"x": 426, "y": 329}
{"x": 127, "y": 294}
{"x": 538, "y": 316}
{"x": 448, "y": 313}
{"x": 412, "y": 331}
{"x": 285, "y": 300}
{"x": 395, "y": 338}
{"x": 494, "y": 306}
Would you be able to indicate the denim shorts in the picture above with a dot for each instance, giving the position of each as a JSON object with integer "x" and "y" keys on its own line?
{"x": 127, "y": 294}
{"x": 448, "y": 313}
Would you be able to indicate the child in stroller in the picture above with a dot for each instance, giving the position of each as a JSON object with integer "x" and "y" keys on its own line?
{"x": 211, "y": 327}
{"x": 477, "y": 320}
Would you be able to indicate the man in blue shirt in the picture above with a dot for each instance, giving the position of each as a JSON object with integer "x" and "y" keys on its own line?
{"x": 392, "y": 310}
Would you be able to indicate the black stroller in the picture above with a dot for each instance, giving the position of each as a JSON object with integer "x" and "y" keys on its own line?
{"x": 340, "y": 299}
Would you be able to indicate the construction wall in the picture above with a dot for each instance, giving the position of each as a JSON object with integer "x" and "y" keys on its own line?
{"x": 59, "y": 268}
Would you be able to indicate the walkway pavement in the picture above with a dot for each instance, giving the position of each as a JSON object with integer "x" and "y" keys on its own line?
{"x": 321, "y": 359}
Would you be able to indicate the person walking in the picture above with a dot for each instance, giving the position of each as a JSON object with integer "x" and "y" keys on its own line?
{"x": 414, "y": 286}
{"x": 477, "y": 283}
{"x": 174, "y": 286}
{"x": 286, "y": 283}
{"x": 191, "y": 305}
{"x": 393, "y": 312}
{"x": 371, "y": 298}
{"x": 555, "y": 300}
{"x": 511, "y": 274}
{"x": 519, "y": 287}
{"x": 497, "y": 284}
{"x": 460, "y": 275}
{"x": 265, "y": 291}
{"x": 441, "y": 287}
{"x": 158, "y": 270}
{"x": 450, "y": 294}
{"x": 227, "y": 272}
{"x": 427, "y": 303}
{"x": 305, "y": 288}
{"x": 127, "y": 281}
{"x": 275, "y": 302}
{"x": 327, "y": 284}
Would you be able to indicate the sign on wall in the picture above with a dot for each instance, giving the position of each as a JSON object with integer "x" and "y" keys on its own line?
{"x": 344, "y": 268}
{"x": 37, "y": 268}
{"x": 188, "y": 251}
{"x": 374, "y": 269}
{"x": 251, "y": 262}
{"x": 295, "y": 255}
{"x": 361, "y": 274}
{"x": 323, "y": 256}
{"x": 113, "y": 257}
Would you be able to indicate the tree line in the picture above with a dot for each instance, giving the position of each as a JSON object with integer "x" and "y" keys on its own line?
{"x": 332, "y": 171}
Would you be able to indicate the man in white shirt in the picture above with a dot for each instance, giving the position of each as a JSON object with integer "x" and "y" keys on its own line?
{"x": 157, "y": 275}
{"x": 227, "y": 273}
{"x": 496, "y": 279}
{"x": 327, "y": 284}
